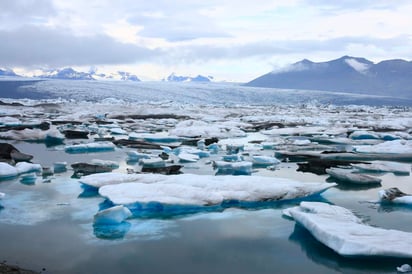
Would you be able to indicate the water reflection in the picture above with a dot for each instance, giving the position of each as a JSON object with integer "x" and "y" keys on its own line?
{"x": 116, "y": 231}
{"x": 323, "y": 255}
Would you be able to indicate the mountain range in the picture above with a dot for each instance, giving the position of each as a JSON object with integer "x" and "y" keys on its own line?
{"x": 346, "y": 74}
{"x": 175, "y": 78}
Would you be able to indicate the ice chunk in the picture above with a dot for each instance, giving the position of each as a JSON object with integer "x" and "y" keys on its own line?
{"x": 106, "y": 163}
{"x": 33, "y": 135}
{"x": 190, "y": 189}
{"x": 232, "y": 158}
{"x": 2, "y": 195}
{"x": 385, "y": 166}
{"x": 107, "y": 178}
{"x": 362, "y": 135}
{"x": 60, "y": 167}
{"x": 394, "y": 195}
{"x": 404, "y": 268}
{"x": 118, "y": 131}
{"x": 347, "y": 175}
{"x": 90, "y": 147}
{"x": 264, "y": 160}
{"x": 7, "y": 171}
{"x": 136, "y": 156}
{"x": 112, "y": 215}
{"x": 389, "y": 147}
{"x": 339, "y": 229}
{"x": 185, "y": 157}
{"x": 152, "y": 162}
{"x": 233, "y": 168}
{"x": 24, "y": 167}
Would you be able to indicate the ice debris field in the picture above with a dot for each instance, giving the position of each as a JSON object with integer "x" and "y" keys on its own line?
{"x": 112, "y": 162}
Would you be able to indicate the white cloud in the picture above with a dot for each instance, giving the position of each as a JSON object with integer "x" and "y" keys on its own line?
{"x": 356, "y": 65}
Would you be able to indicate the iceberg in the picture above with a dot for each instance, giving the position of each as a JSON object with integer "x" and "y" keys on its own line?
{"x": 24, "y": 167}
{"x": 206, "y": 190}
{"x": 264, "y": 161}
{"x": 185, "y": 157}
{"x": 384, "y": 166}
{"x": 112, "y": 215}
{"x": 106, "y": 163}
{"x": 101, "y": 179}
{"x": 90, "y": 147}
{"x": 2, "y": 195}
{"x": 152, "y": 162}
{"x": 389, "y": 147}
{"x": 8, "y": 171}
{"x": 348, "y": 176}
{"x": 233, "y": 168}
{"x": 136, "y": 156}
{"x": 339, "y": 229}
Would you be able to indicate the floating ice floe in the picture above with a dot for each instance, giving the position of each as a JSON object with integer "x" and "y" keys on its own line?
{"x": 118, "y": 131}
{"x": 136, "y": 156}
{"x": 385, "y": 166}
{"x": 51, "y": 135}
{"x": 264, "y": 161}
{"x": 394, "y": 195}
{"x": 185, "y": 157}
{"x": 107, "y": 178}
{"x": 59, "y": 167}
{"x": 233, "y": 168}
{"x": 2, "y": 195}
{"x": 111, "y": 216}
{"x": 362, "y": 135}
{"x": 348, "y": 176}
{"x": 389, "y": 147}
{"x": 8, "y": 171}
{"x": 405, "y": 268}
{"x": 190, "y": 189}
{"x": 339, "y": 229}
{"x": 90, "y": 147}
{"x": 152, "y": 162}
{"x": 106, "y": 163}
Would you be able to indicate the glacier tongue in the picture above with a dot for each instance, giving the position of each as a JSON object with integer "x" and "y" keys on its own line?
{"x": 339, "y": 229}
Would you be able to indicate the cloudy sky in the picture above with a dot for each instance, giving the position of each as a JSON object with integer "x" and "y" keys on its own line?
{"x": 232, "y": 40}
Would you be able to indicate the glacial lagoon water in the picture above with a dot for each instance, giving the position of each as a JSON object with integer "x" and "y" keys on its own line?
{"x": 47, "y": 225}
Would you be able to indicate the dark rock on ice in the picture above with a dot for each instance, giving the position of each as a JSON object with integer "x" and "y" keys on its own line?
{"x": 166, "y": 170}
{"x": 391, "y": 193}
{"x": 10, "y": 153}
{"x": 76, "y": 134}
{"x": 42, "y": 126}
{"x": 319, "y": 166}
{"x": 86, "y": 169}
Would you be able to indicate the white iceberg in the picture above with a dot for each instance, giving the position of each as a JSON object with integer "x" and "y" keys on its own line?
{"x": 24, "y": 167}
{"x": 185, "y": 157}
{"x": 33, "y": 135}
{"x": 385, "y": 166}
{"x": 136, "y": 156}
{"x": 388, "y": 147}
{"x": 107, "y": 178}
{"x": 152, "y": 162}
{"x": 7, "y": 171}
{"x": 339, "y": 229}
{"x": 2, "y": 195}
{"x": 190, "y": 189}
{"x": 90, "y": 147}
{"x": 348, "y": 176}
{"x": 405, "y": 268}
{"x": 112, "y": 216}
{"x": 265, "y": 160}
{"x": 106, "y": 163}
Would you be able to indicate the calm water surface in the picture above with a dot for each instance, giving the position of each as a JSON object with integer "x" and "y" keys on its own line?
{"x": 47, "y": 225}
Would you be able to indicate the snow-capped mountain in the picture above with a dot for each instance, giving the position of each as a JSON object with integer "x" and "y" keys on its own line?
{"x": 175, "y": 78}
{"x": 346, "y": 74}
{"x": 7, "y": 72}
{"x": 71, "y": 74}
